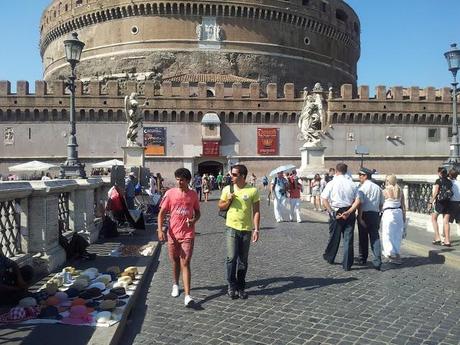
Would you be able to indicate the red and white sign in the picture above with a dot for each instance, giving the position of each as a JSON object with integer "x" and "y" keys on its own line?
{"x": 211, "y": 148}
{"x": 267, "y": 141}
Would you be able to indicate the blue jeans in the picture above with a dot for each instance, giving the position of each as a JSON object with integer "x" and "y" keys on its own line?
{"x": 336, "y": 229}
{"x": 238, "y": 243}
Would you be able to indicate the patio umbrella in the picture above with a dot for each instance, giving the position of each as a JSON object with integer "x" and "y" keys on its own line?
{"x": 282, "y": 168}
{"x": 33, "y": 166}
{"x": 107, "y": 164}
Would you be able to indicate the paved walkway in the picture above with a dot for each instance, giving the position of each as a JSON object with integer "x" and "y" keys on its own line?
{"x": 297, "y": 298}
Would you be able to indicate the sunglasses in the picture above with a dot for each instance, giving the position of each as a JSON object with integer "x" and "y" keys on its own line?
{"x": 235, "y": 175}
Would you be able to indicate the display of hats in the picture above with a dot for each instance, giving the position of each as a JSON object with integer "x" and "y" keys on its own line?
{"x": 72, "y": 292}
{"x": 51, "y": 288}
{"x": 108, "y": 304}
{"x": 58, "y": 279}
{"x": 27, "y": 302}
{"x": 92, "y": 269}
{"x": 78, "y": 301}
{"x": 90, "y": 275}
{"x": 103, "y": 317}
{"x": 126, "y": 279}
{"x": 92, "y": 304}
{"x": 104, "y": 278}
{"x": 53, "y": 300}
{"x": 98, "y": 285}
{"x": 49, "y": 312}
{"x": 120, "y": 292}
{"x": 114, "y": 269}
{"x": 109, "y": 295}
{"x": 79, "y": 315}
{"x": 122, "y": 284}
{"x": 132, "y": 275}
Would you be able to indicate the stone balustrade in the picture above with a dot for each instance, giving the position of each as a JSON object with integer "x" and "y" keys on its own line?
{"x": 33, "y": 211}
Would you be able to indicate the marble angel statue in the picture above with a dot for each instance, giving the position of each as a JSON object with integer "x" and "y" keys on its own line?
{"x": 310, "y": 120}
{"x": 134, "y": 117}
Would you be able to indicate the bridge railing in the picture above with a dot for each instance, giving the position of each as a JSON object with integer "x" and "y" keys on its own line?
{"x": 33, "y": 213}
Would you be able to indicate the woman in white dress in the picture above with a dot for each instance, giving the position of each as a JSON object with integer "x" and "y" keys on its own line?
{"x": 393, "y": 219}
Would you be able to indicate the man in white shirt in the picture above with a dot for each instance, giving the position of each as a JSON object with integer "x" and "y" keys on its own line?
{"x": 339, "y": 197}
{"x": 371, "y": 200}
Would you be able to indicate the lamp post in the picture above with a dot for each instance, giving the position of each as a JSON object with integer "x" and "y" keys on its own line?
{"x": 72, "y": 166}
{"x": 453, "y": 60}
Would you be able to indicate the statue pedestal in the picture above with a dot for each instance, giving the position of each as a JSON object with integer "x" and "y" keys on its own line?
{"x": 312, "y": 161}
{"x": 133, "y": 156}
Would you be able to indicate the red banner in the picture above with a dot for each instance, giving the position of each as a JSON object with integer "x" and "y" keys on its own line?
{"x": 211, "y": 148}
{"x": 267, "y": 141}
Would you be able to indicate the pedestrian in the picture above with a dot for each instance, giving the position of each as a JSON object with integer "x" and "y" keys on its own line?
{"x": 160, "y": 181}
{"x": 152, "y": 184}
{"x": 184, "y": 209}
{"x": 295, "y": 187}
{"x": 454, "y": 203}
{"x": 315, "y": 186}
{"x": 206, "y": 186}
{"x": 219, "y": 180}
{"x": 340, "y": 200}
{"x": 439, "y": 203}
{"x": 265, "y": 182}
{"x": 197, "y": 182}
{"x": 243, "y": 224}
{"x": 371, "y": 200}
{"x": 130, "y": 190}
{"x": 253, "y": 180}
{"x": 279, "y": 187}
{"x": 393, "y": 220}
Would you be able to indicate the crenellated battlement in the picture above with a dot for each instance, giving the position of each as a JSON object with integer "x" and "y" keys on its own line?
{"x": 151, "y": 89}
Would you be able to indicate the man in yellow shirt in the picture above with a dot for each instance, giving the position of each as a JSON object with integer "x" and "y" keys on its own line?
{"x": 243, "y": 224}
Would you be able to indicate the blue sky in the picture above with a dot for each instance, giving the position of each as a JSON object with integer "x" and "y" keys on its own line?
{"x": 402, "y": 41}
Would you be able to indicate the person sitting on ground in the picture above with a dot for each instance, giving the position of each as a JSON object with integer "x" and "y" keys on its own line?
{"x": 14, "y": 281}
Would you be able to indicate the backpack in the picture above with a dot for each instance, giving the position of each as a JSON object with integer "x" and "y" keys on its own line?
{"x": 445, "y": 191}
{"x": 223, "y": 213}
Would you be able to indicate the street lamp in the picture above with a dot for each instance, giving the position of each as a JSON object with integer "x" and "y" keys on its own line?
{"x": 453, "y": 60}
{"x": 72, "y": 166}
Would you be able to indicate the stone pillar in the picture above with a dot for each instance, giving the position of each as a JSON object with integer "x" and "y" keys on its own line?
{"x": 44, "y": 230}
{"x": 133, "y": 156}
{"x": 81, "y": 208}
{"x": 312, "y": 162}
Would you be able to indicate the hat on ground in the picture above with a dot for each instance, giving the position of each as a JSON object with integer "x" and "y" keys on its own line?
{"x": 97, "y": 285}
{"x": 104, "y": 278}
{"x": 126, "y": 279}
{"x": 365, "y": 171}
{"x": 78, "y": 301}
{"x": 103, "y": 317}
{"x": 120, "y": 292}
{"x": 53, "y": 301}
{"x": 108, "y": 304}
{"x": 121, "y": 284}
{"x": 114, "y": 269}
{"x": 62, "y": 296}
{"x": 51, "y": 288}
{"x": 72, "y": 292}
{"x": 131, "y": 269}
{"x": 69, "y": 269}
{"x": 80, "y": 284}
{"x": 18, "y": 314}
{"x": 79, "y": 315}
{"x": 41, "y": 295}
{"x": 50, "y": 312}
{"x": 28, "y": 302}
{"x": 91, "y": 293}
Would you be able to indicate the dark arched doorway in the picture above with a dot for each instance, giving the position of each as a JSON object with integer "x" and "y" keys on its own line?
{"x": 210, "y": 168}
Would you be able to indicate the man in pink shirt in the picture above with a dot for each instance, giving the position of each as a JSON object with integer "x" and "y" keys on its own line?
{"x": 184, "y": 209}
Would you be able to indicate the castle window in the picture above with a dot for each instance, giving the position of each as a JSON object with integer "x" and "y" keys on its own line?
{"x": 323, "y": 6}
{"x": 306, "y": 40}
{"x": 134, "y": 30}
{"x": 341, "y": 15}
{"x": 433, "y": 134}
{"x": 305, "y": 2}
{"x": 79, "y": 2}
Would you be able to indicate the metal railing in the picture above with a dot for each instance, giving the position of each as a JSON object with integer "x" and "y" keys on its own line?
{"x": 10, "y": 225}
{"x": 419, "y": 197}
{"x": 63, "y": 212}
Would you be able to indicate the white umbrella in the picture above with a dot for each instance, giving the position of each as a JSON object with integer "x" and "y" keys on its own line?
{"x": 33, "y": 166}
{"x": 107, "y": 164}
{"x": 282, "y": 168}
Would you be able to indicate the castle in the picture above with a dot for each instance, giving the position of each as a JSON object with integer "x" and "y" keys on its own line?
{"x": 221, "y": 82}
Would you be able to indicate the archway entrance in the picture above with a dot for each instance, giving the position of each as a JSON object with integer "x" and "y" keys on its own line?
{"x": 210, "y": 168}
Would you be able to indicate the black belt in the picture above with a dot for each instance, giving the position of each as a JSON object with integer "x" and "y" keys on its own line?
{"x": 391, "y": 208}
{"x": 342, "y": 209}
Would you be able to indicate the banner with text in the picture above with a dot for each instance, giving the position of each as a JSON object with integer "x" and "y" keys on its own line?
{"x": 267, "y": 141}
{"x": 155, "y": 141}
{"x": 211, "y": 148}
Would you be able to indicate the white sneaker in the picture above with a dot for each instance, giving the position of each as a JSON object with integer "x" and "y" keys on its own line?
{"x": 189, "y": 301}
{"x": 175, "y": 290}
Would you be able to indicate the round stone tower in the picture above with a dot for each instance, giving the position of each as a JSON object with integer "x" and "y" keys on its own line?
{"x": 297, "y": 41}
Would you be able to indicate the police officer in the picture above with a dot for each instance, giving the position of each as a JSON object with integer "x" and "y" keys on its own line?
{"x": 340, "y": 200}
{"x": 371, "y": 201}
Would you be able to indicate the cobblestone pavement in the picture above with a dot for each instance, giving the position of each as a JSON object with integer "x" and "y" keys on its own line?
{"x": 295, "y": 297}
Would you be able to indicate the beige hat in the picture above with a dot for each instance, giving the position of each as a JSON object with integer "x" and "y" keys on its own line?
{"x": 69, "y": 269}
{"x": 108, "y": 304}
{"x": 126, "y": 279}
{"x": 122, "y": 284}
{"x": 131, "y": 269}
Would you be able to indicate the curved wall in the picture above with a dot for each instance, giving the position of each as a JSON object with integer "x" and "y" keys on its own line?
{"x": 271, "y": 41}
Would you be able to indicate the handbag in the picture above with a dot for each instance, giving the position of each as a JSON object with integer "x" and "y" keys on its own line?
{"x": 223, "y": 213}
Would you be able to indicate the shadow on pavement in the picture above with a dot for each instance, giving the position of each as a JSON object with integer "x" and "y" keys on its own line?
{"x": 275, "y": 286}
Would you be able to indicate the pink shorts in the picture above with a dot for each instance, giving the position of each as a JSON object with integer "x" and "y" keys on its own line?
{"x": 181, "y": 248}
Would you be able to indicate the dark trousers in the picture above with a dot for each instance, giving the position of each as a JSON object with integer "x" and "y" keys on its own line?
{"x": 336, "y": 229}
{"x": 238, "y": 243}
{"x": 369, "y": 231}
{"x": 198, "y": 191}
